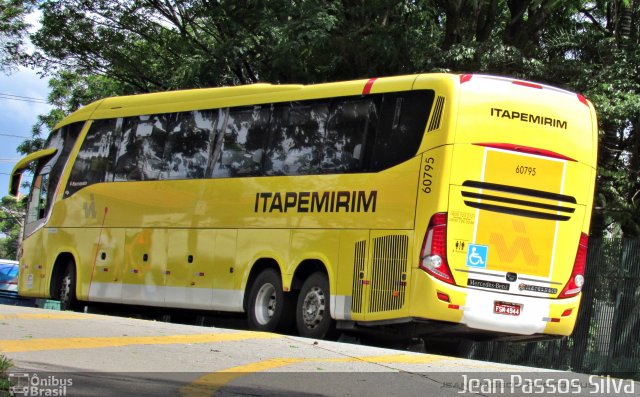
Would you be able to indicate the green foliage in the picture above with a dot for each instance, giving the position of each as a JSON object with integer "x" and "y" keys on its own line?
{"x": 13, "y": 29}
{"x": 5, "y": 364}
{"x": 11, "y": 221}
{"x": 101, "y": 48}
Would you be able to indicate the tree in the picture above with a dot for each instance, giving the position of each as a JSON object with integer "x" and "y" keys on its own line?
{"x": 111, "y": 47}
{"x": 11, "y": 223}
{"x": 13, "y": 30}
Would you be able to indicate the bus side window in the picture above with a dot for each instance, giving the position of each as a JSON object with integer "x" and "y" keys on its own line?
{"x": 47, "y": 175}
{"x": 403, "y": 119}
{"x": 95, "y": 160}
{"x": 37, "y": 198}
{"x": 295, "y": 138}
{"x": 189, "y": 144}
{"x": 142, "y": 153}
{"x": 244, "y": 142}
{"x": 44, "y": 196}
{"x": 352, "y": 122}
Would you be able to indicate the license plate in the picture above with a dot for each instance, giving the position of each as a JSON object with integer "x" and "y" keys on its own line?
{"x": 509, "y": 309}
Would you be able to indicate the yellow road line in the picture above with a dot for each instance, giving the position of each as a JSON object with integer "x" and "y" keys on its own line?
{"x": 209, "y": 384}
{"x": 45, "y": 316}
{"x": 12, "y": 346}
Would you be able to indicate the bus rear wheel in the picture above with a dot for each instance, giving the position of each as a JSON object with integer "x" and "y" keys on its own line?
{"x": 313, "y": 317}
{"x": 270, "y": 309}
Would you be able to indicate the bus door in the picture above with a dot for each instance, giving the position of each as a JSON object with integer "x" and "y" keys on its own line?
{"x": 33, "y": 258}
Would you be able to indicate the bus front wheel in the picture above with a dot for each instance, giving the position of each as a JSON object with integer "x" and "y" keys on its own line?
{"x": 68, "y": 299}
{"x": 269, "y": 308}
{"x": 313, "y": 317}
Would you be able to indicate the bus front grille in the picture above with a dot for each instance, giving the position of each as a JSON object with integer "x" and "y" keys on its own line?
{"x": 388, "y": 273}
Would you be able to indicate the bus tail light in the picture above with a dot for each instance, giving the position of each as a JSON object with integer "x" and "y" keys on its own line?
{"x": 527, "y": 84}
{"x": 525, "y": 149}
{"x": 443, "y": 297}
{"x": 575, "y": 283}
{"x": 433, "y": 257}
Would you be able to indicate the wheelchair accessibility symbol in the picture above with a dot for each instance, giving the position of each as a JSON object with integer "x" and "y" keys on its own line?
{"x": 477, "y": 255}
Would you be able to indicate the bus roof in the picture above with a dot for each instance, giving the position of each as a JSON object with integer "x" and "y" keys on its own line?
{"x": 210, "y": 98}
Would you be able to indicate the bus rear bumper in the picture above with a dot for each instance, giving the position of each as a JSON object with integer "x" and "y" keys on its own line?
{"x": 486, "y": 310}
{"x": 491, "y": 311}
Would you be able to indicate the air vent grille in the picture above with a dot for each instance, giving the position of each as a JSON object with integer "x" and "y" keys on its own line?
{"x": 388, "y": 273}
{"x": 437, "y": 114}
{"x": 358, "y": 276}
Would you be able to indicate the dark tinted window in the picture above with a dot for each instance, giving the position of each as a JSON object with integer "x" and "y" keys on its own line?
{"x": 142, "y": 152}
{"x": 296, "y": 139}
{"x": 244, "y": 141}
{"x": 95, "y": 160}
{"x": 63, "y": 139}
{"x": 352, "y": 123}
{"x": 334, "y": 135}
{"x": 346, "y": 135}
{"x": 189, "y": 144}
{"x": 403, "y": 118}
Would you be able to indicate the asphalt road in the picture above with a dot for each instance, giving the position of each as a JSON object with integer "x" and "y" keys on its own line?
{"x": 73, "y": 354}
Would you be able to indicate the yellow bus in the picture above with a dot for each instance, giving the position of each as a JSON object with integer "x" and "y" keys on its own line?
{"x": 432, "y": 203}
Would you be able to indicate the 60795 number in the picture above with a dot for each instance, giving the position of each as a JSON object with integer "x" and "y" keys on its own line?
{"x": 427, "y": 174}
{"x": 525, "y": 170}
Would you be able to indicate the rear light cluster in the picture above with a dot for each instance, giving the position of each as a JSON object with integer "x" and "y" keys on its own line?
{"x": 525, "y": 149}
{"x": 574, "y": 286}
{"x": 433, "y": 257}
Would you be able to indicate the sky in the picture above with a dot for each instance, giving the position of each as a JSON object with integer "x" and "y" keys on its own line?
{"x": 18, "y": 116}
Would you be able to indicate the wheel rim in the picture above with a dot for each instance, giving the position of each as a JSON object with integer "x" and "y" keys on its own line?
{"x": 313, "y": 308}
{"x": 65, "y": 290}
{"x": 265, "y": 304}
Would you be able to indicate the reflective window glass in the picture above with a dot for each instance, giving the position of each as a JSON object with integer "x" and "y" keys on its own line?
{"x": 189, "y": 144}
{"x": 297, "y": 133}
{"x": 403, "y": 119}
{"x": 351, "y": 122}
{"x": 94, "y": 163}
{"x": 245, "y": 136}
{"x": 141, "y": 155}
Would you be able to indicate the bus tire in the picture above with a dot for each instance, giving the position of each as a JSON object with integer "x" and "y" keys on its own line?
{"x": 269, "y": 308}
{"x": 313, "y": 315}
{"x": 67, "y": 292}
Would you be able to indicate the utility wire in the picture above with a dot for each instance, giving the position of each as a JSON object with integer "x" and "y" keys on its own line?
{"x": 4, "y": 95}
{"x": 16, "y": 136}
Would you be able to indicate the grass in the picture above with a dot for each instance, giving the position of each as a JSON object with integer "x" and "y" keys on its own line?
{"x": 5, "y": 364}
